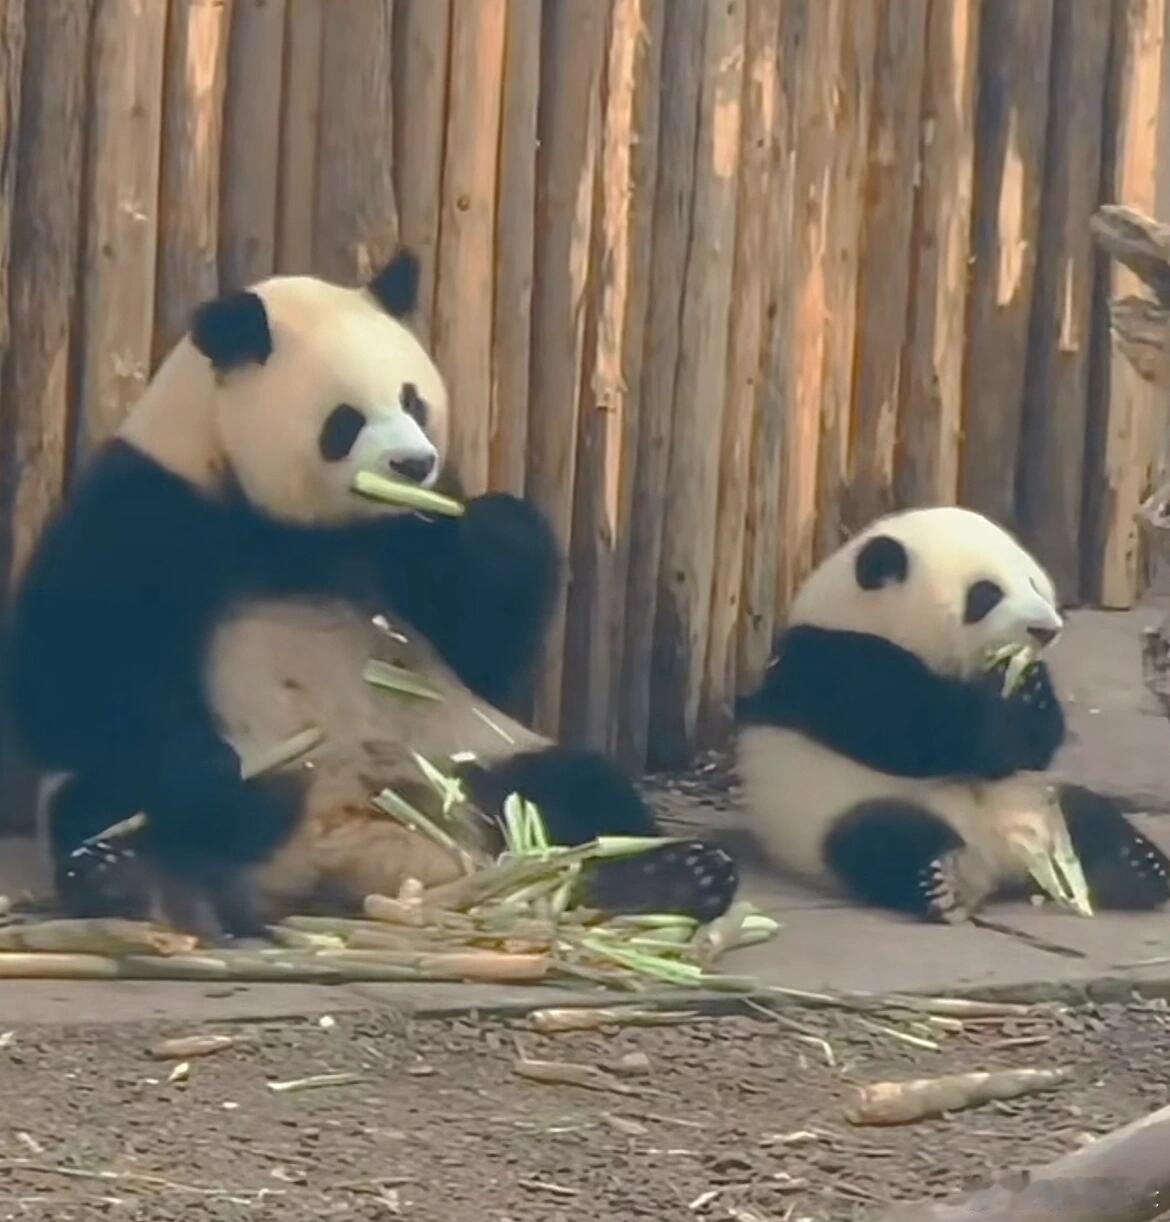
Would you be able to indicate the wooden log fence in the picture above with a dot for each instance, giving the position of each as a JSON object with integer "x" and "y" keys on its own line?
{"x": 713, "y": 283}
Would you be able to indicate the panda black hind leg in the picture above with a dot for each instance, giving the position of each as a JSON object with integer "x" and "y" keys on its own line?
{"x": 581, "y": 796}
{"x": 895, "y": 855}
{"x": 1123, "y": 868}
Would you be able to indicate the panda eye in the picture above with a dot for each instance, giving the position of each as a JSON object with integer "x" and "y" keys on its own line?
{"x": 413, "y": 404}
{"x": 340, "y": 431}
{"x": 982, "y": 598}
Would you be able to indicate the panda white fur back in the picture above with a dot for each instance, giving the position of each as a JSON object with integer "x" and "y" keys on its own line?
{"x": 880, "y": 756}
{"x": 201, "y": 559}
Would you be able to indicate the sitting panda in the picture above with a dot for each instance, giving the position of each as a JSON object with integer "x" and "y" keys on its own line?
{"x": 218, "y": 528}
{"x": 880, "y": 754}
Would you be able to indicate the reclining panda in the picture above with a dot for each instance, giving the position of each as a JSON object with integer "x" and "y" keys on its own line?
{"x": 880, "y": 754}
{"x": 210, "y": 586}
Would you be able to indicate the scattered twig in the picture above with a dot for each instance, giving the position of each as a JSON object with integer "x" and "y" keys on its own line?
{"x": 185, "y": 1046}
{"x": 316, "y": 1082}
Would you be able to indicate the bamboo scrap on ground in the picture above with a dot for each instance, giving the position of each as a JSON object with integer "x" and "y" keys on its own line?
{"x": 464, "y": 285}
{"x": 750, "y": 276}
{"x": 1119, "y": 446}
{"x": 251, "y": 142}
{"x": 421, "y": 51}
{"x": 296, "y": 199}
{"x": 1009, "y": 171}
{"x": 774, "y": 391}
{"x": 889, "y": 1103}
{"x": 615, "y": 330}
{"x": 1122, "y": 1177}
{"x": 1050, "y": 486}
{"x": 356, "y": 222}
{"x": 121, "y": 231}
{"x": 682, "y": 43}
{"x": 885, "y": 259}
{"x": 566, "y": 161}
{"x": 926, "y": 470}
{"x": 515, "y": 246}
{"x": 188, "y": 237}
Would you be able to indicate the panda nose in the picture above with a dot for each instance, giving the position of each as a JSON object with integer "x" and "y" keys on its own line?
{"x": 414, "y": 469}
{"x": 1043, "y": 634}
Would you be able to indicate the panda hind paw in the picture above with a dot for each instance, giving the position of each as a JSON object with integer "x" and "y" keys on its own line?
{"x": 689, "y": 878}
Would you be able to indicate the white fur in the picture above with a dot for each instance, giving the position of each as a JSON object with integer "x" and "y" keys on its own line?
{"x": 260, "y": 423}
{"x": 795, "y": 789}
{"x": 950, "y": 549}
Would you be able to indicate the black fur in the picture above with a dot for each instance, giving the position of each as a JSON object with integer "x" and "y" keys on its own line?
{"x": 232, "y": 331}
{"x": 886, "y": 851}
{"x": 109, "y": 628}
{"x": 876, "y": 703}
{"x": 396, "y": 285}
{"x": 1122, "y": 867}
{"x": 582, "y": 795}
{"x": 883, "y": 561}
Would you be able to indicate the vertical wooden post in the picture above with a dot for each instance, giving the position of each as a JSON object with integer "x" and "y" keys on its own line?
{"x": 195, "y": 77}
{"x": 1009, "y": 169}
{"x": 805, "y": 355}
{"x": 121, "y": 233}
{"x": 42, "y": 288}
{"x": 692, "y": 484}
{"x": 884, "y": 273}
{"x": 356, "y": 217}
{"x": 750, "y": 277}
{"x": 682, "y": 50}
{"x": 515, "y": 241}
{"x": 1051, "y": 474}
{"x": 251, "y": 142}
{"x": 1118, "y": 452}
{"x": 421, "y": 50}
{"x": 465, "y": 288}
{"x": 762, "y": 554}
{"x": 299, "y": 125}
{"x": 608, "y": 425}
{"x": 926, "y": 468}
{"x": 568, "y": 123}
{"x": 856, "y": 38}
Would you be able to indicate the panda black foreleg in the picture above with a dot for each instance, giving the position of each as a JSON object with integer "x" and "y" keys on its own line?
{"x": 899, "y": 856}
{"x": 481, "y": 588}
{"x": 1021, "y": 731}
{"x": 1123, "y": 868}
{"x": 581, "y": 796}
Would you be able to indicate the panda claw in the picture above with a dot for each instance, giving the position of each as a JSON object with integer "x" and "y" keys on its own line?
{"x": 944, "y": 903}
{"x": 692, "y": 879}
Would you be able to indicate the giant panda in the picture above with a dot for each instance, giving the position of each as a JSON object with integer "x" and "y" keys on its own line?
{"x": 879, "y": 755}
{"x": 213, "y": 579}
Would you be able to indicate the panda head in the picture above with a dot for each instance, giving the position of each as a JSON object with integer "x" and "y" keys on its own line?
{"x": 285, "y": 390}
{"x": 946, "y": 584}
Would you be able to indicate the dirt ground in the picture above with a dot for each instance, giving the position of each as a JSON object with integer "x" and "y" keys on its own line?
{"x": 738, "y": 1117}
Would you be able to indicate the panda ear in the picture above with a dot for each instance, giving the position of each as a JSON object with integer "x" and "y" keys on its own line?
{"x": 396, "y": 285}
{"x": 232, "y": 330}
{"x": 883, "y": 561}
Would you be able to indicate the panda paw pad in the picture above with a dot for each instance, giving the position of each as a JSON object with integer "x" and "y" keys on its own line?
{"x": 692, "y": 879}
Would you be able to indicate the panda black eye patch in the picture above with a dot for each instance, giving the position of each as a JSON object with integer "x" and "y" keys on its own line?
{"x": 413, "y": 404}
{"x": 982, "y": 598}
{"x": 340, "y": 431}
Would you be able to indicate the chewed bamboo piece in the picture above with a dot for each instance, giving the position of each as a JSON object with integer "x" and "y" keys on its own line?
{"x": 905, "y": 1102}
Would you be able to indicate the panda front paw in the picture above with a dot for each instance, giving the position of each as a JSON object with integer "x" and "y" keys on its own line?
{"x": 955, "y": 886}
{"x": 104, "y": 878}
{"x": 689, "y": 879}
{"x": 1024, "y": 728}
